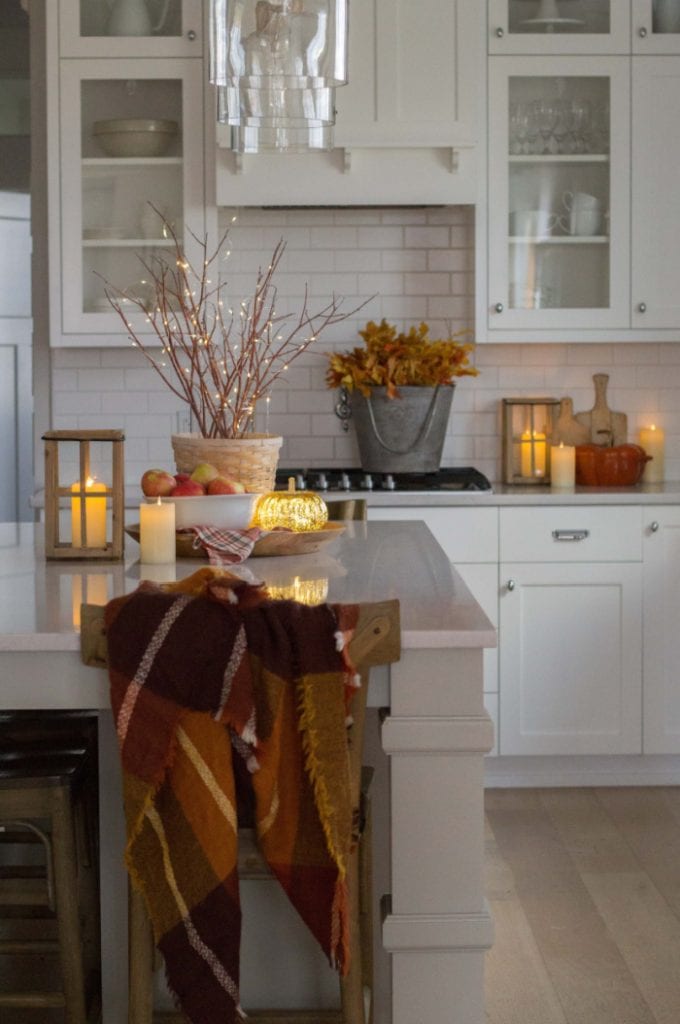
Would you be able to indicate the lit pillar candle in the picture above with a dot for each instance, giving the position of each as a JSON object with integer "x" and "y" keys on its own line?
{"x": 562, "y": 465}
{"x": 652, "y": 440}
{"x": 95, "y": 516}
{"x": 157, "y": 533}
{"x": 533, "y": 452}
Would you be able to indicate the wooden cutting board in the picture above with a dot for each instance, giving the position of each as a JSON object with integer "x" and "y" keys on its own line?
{"x": 567, "y": 429}
{"x": 606, "y": 427}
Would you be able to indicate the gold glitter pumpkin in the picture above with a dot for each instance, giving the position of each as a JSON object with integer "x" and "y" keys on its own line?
{"x": 300, "y": 511}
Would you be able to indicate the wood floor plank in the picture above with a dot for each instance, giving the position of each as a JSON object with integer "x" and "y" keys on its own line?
{"x": 518, "y": 989}
{"x": 648, "y": 934}
{"x": 592, "y": 980}
{"x": 652, "y": 830}
{"x": 589, "y": 835}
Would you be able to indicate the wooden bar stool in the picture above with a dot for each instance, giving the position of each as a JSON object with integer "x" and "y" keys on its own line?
{"x": 39, "y": 786}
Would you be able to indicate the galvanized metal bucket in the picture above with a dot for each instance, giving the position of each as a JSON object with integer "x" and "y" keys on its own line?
{"x": 405, "y": 434}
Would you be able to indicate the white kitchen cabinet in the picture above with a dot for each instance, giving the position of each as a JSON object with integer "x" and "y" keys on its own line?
{"x": 656, "y": 201}
{"x": 559, "y": 193}
{"x": 656, "y": 26}
{"x": 103, "y": 210}
{"x": 131, "y": 28}
{"x": 469, "y": 536}
{"x": 603, "y": 269}
{"x": 558, "y": 26}
{"x": 408, "y": 120}
{"x": 570, "y": 674}
{"x": 661, "y": 638}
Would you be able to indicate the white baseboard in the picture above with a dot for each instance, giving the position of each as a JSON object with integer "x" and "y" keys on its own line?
{"x": 577, "y": 771}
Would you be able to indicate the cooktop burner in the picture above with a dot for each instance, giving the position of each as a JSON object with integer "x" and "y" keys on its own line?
{"x": 453, "y": 478}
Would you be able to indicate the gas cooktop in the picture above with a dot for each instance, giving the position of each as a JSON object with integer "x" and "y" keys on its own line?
{"x": 453, "y": 478}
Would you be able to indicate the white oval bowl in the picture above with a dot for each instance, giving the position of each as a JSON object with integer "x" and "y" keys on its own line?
{"x": 134, "y": 137}
{"x": 233, "y": 511}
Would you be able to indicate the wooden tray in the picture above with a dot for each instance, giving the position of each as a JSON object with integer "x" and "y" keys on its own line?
{"x": 278, "y": 542}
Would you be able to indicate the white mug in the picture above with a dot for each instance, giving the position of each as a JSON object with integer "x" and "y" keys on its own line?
{"x": 585, "y": 221}
{"x": 580, "y": 201}
{"x": 533, "y": 223}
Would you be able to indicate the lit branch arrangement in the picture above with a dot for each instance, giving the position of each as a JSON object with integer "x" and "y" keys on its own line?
{"x": 219, "y": 360}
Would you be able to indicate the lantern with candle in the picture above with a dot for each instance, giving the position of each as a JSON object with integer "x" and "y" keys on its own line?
{"x": 527, "y": 432}
{"x": 84, "y": 517}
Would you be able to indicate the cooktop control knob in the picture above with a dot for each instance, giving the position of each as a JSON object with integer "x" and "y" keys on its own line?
{"x": 322, "y": 482}
{"x": 388, "y": 482}
{"x": 300, "y": 482}
{"x": 367, "y": 482}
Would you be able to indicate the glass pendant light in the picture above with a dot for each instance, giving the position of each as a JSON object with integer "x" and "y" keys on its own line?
{"x": 276, "y": 67}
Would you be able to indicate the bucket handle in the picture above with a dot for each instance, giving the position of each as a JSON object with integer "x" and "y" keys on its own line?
{"x": 422, "y": 433}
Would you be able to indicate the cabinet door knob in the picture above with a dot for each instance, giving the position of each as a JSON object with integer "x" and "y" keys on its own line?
{"x": 642, "y": 32}
{"x": 500, "y": 32}
{"x": 642, "y": 307}
{"x": 499, "y": 307}
{"x": 191, "y": 35}
{"x": 654, "y": 526}
{"x": 510, "y": 584}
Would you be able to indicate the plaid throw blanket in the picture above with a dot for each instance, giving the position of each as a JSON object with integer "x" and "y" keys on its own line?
{"x": 217, "y": 692}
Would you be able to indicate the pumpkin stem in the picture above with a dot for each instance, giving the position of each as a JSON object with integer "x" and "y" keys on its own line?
{"x": 291, "y": 484}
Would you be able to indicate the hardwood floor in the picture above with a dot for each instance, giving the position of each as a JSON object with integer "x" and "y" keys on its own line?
{"x": 584, "y": 887}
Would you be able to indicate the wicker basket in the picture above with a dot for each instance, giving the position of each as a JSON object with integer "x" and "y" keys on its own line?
{"x": 251, "y": 459}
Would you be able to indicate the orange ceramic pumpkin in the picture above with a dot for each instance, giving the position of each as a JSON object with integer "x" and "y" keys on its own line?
{"x": 620, "y": 466}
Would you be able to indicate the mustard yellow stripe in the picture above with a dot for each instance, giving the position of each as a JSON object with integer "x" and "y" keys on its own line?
{"x": 269, "y": 819}
{"x": 210, "y": 782}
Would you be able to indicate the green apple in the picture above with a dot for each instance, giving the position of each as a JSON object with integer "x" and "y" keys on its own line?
{"x": 203, "y": 473}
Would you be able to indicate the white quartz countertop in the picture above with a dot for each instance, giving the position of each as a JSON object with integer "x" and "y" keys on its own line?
{"x": 40, "y": 599}
{"x": 505, "y": 494}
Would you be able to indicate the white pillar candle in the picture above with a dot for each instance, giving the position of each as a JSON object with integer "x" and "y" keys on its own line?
{"x": 652, "y": 440}
{"x": 562, "y": 465}
{"x": 157, "y": 533}
{"x": 95, "y": 515}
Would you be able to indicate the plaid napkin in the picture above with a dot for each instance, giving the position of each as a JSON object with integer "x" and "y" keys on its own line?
{"x": 224, "y": 547}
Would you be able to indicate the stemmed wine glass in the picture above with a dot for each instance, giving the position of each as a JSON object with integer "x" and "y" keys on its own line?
{"x": 546, "y": 114}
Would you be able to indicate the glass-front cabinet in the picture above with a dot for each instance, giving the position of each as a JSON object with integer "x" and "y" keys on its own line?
{"x": 130, "y": 28}
{"x": 131, "y": 169}
{"x": 656, "y": 26}
{"x": 559, "y": 26}
{"x": 559, "y": 180}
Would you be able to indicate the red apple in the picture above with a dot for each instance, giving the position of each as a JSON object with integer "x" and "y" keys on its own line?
{"x": 188, "y": 489}
{"x": 203, "y": 473}
{"x": 222, "y": 485}
{"x": 157, "y": 483}
{"x": 182, "y": 478}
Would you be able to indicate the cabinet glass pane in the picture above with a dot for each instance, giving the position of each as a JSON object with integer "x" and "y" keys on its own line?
{"x": 559, "y": 187}
{"x": 131, "y": 17}
{"x": 665, "y": 16}
{"x": 564, "y": 16}
{"x": 131, "y": 158}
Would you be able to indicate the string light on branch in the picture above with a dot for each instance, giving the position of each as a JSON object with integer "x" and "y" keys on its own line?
{"x": 216, "y": 363}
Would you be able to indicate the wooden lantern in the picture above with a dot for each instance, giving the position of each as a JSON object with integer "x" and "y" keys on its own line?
{"x": 300, "y": 511}
{"x": 527, "y": 435}
{"x": 93, "y": 533}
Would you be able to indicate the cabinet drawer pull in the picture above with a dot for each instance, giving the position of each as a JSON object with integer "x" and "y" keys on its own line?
{"x": 510, "y": 584}
{"x": 191, "y": 35}
{"x": 500, "y": 32}
{"x": 654, "y": 527}
{"x": 642, "y": 32}
{"x": 570, "y": 534}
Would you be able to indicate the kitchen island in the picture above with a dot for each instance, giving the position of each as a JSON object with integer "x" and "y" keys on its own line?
{"x": 436, "y": 926}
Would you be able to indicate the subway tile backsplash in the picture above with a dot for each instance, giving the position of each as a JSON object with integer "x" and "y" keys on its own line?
{"x": 406, "y": 265}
